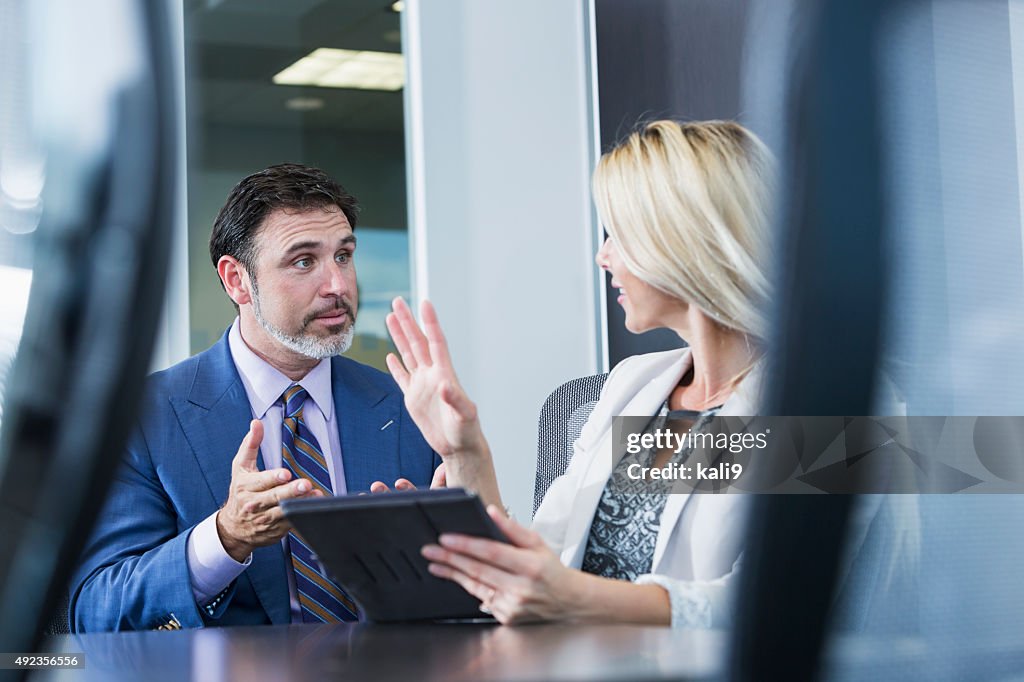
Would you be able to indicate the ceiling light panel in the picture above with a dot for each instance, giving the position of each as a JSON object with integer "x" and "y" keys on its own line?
{"x": 328, "y": 67}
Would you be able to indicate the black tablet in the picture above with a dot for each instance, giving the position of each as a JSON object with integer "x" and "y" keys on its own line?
{"x": 370, "y": 545}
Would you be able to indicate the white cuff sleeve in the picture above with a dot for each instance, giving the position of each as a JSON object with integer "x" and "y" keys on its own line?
{"x": 691, "y": 605}
{"x": 210, "y": 568}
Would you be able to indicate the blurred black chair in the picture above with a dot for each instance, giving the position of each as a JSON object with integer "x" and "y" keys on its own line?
{"x": 59, "y": 623}
{"x": 561, "y": 420}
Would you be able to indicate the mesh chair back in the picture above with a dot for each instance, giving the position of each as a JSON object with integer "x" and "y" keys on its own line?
{"x": 59, "y": 624}
{"x": 561, "y": 420}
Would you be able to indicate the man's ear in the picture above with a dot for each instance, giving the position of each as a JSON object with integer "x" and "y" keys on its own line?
{"x": 235, "y": 279}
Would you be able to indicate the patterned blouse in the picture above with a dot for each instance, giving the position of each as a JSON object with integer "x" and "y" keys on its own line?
{"x": 624, "y": 531}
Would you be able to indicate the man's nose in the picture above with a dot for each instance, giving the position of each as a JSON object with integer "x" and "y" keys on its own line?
{"x": 335, "y": 283}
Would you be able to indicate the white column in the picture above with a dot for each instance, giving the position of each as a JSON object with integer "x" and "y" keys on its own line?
{"x": 1017, "y": 70}
{"x": 500, "y": 147}
{"x": 172, "y": 340}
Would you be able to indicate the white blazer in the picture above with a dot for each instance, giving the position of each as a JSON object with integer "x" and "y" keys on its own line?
{"x": 699, "y": 542}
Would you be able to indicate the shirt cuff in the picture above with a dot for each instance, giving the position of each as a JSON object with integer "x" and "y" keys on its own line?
{"x": 691, "y": 606}
{"x": 211, "y": 569}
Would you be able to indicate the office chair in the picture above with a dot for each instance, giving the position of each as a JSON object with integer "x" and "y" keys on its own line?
{"x": 561, "y": 420}
{"x": 59, "y": 624}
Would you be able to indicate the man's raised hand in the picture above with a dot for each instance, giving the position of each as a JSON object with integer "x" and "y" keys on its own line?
{"x": 252, "y": 517}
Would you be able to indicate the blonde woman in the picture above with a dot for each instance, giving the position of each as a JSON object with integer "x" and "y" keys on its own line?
{"x": 686, "y": 209}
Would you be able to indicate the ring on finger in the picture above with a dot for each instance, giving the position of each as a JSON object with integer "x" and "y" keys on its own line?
{"x": 485, "y": 603}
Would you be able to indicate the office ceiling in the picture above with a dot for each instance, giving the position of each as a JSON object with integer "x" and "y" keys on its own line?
{"x": 234, "y": 48}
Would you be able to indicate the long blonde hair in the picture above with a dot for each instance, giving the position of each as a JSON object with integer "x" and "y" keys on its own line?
{"x": 688, "y": 206}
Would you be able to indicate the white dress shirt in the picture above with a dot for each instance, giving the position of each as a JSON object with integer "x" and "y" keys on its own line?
{"x": 210, "y": 567}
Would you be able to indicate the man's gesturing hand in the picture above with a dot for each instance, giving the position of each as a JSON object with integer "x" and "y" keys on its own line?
{"x": 252, "y": 517}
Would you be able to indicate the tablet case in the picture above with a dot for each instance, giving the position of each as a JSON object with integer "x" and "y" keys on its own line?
{"x": 370, "y": 545}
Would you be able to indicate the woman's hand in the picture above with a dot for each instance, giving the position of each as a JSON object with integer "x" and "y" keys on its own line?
{"x": 519, "y": 582}
{"x": 435, "y": 399}
{"x": 439, "y": 480}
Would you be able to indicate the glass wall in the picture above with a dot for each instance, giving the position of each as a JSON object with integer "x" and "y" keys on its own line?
{"x": 951, "y": 74}
{"x": 252, "y": 102}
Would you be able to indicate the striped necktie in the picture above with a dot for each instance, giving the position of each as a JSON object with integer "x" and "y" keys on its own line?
{"x": 320, "y": 598}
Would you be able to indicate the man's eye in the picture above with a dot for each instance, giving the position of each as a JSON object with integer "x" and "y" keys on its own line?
{"x": 304, "y": 263}
{"x": 344, "y": 258}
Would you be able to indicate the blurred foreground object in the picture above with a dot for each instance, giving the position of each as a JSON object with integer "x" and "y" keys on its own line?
{"x": 102, "y": 109}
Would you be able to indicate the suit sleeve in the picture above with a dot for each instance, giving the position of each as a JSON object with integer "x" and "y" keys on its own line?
{"x": 133, "y": 573}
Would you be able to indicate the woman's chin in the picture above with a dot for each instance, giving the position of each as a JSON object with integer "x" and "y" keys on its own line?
{"x": 635, "y": 327}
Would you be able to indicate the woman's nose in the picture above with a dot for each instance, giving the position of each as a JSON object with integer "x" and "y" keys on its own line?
{"x": 602, "y": 255}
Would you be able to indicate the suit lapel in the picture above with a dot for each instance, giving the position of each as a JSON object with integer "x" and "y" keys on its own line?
{"x": 368, "y": 427}
{"x": 743, "y": 402}
{"x": 587, "y": 499}
{"x": 215, "y": 418}
{"x": 646, "y": 402}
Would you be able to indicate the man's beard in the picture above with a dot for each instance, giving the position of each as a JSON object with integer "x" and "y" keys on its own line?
{"x": 308, "y": 344}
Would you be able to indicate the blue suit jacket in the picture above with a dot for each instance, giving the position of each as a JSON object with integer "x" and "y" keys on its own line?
{"x": 134, "y": 574}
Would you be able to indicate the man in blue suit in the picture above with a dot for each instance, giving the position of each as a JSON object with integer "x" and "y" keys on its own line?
{"x": 192, "y": 533}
